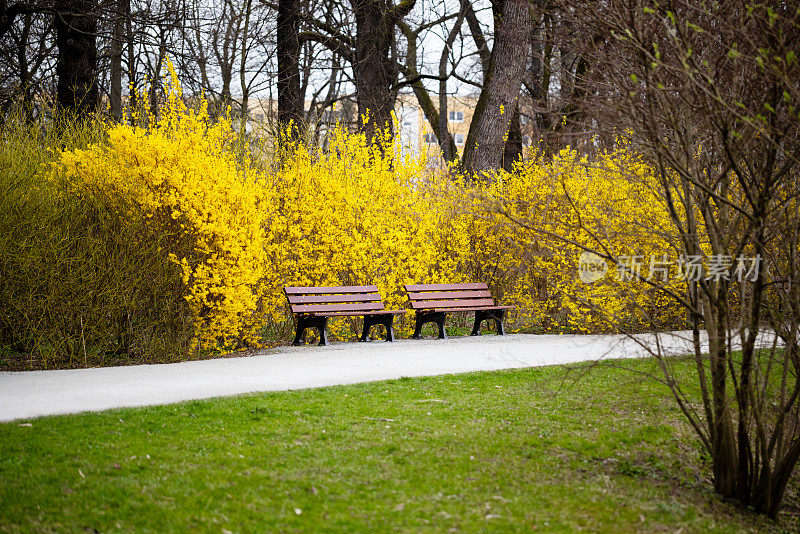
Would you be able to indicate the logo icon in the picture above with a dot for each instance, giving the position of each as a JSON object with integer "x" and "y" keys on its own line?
{"x": 591, "y": 267}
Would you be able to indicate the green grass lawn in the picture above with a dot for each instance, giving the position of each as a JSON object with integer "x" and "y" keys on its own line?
{"x": 551, "y": 449}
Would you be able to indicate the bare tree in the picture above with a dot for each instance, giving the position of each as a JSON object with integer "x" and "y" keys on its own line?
{"x": 442, "y": 133}
{"x": 495, "y": 108}
{"x": 26, "y": 61}
{"x": 75, "y": 24}
{"x": 414, "y": 78}
{"x": 709, "y": 93}
{"x": 376, "y": 71}
{"x": 120, "y": 11}
{"x": 290, "y": 97}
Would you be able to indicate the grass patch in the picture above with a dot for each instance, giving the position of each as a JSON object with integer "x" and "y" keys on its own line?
{"x": 555, "y": 449}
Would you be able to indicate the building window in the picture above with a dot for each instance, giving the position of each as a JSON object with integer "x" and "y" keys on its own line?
{"x": 430, "y": 139}
{"x": 459, "y": 139}
{"x": 456, "y": 116}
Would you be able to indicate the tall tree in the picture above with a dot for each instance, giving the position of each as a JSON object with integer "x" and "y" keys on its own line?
{"x": 376, "y": 71}
{"x": 76, "y": 37}
{"x": 9, "y": 13}
{"x": 709, "y": 94}
{"x": 497, "y": 103}
{"x": 120, "y": 12}
{"x": 414, "y": 78}
{"x": 448, "y": 152}
{"x": 27, "y": 63}
{"x": 26, "y": 60}
{"x": 290, "y": 97}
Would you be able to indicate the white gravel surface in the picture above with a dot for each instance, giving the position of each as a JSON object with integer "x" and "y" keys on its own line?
{"x": 25, "y": 395}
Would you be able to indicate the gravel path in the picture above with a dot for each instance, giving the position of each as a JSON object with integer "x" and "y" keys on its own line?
{"x": 25, "y": 395}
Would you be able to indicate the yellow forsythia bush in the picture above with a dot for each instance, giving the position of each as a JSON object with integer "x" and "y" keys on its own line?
{"x": 243, "y": 227}
{"x": 358, "y": 214}
{"x": 550, "y": 211}
{"x": 361, "y": 214}
{"x": 182, "y": 175}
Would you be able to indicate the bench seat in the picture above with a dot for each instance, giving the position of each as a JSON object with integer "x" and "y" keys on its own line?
{"x": 312, "y": 306}
{"x": 432, "y": 302}
{"x": 358, "y": 314}
{"x": 451, "y": 310}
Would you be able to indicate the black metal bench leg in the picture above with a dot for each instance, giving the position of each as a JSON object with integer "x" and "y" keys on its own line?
{"x": 430, "y": 317}
{"x": 439, "y": 318}
{"x": 489, "y": 315}
{"x": 309, "y": 321}
{"x": 388, "y": 321}
{"x": 322, "y": 327}
{"x": 418, "y": 322}
{"x": 369, "y": 322}
{"x": 389, "y": 328}
{"x": 299, "y": 329}
{"x": 501, "y": 331}
{"x": 372, "y": 320}
{"x": 480, "y": 316}
{"x": 365, "y": 331}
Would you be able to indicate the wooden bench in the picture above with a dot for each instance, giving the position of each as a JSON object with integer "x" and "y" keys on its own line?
{"x": 432, "y": 303}
{"x": 313, "y": 306}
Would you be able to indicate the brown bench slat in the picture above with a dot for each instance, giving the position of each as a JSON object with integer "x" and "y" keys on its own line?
{"x": 377, "y": 312}
{"x": 435, "y": 304}
{"x": 481, "y": 308}
{"x": 445, "y": 287}
{"x": 432, "y": 303}
{"x": 323, "y": 299}
{"x": 346, "y": 307}
{"x": 313, "y": 306}
{"x": 329, "y": 290}
{"x": 449, "y": 295}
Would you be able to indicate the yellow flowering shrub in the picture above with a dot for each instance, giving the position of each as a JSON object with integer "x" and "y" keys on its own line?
{"x": 171, "y": 213}
{"x": 238, "y": 228}
{"x": 182, "y": 175}
{"x": 357, "y": 214}
{"x": 550, "y": 212}
{"x": 360, "y": 214}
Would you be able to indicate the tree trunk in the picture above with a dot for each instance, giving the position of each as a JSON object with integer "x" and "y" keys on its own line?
{"x": 8, "y": 14}
{"x": 225, "y": 95}
{"x": 156, "y": 78}
{"x": 374, "y": 68}
{"x": 374, "y": 71}
{"x": 290, "y": 98}
{"x": 115, "y": 91}
{"x": 513, "y": 148}
{"x": 495, "y": 108}
{"x": 512, "y": 151}
{"x": 443, "y": 134}
{"x": 132, "y": 102}
{"x": 25, "y": 75}
{"x": 423, "y": 97}
{"x": 722, "y": 436}
{"x": 243, "y": 66}
{"x": 477, "y": 36}
{"x": 76, "y": 67}
{"x": 540, "y": 74}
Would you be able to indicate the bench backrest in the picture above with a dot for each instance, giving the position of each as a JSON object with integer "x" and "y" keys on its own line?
{"x": 441, "y": 296}
{"x": 333, "y": 299}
